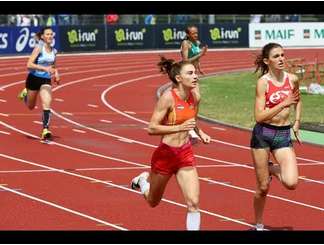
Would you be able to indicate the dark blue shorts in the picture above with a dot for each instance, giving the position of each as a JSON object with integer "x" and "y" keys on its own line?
{"x": 34, "y": 83}
{"x": 270, "y": 136}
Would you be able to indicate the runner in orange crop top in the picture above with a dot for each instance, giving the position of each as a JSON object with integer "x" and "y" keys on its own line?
{"x": 182, "y": 110}
{"x": 173, "y": 117}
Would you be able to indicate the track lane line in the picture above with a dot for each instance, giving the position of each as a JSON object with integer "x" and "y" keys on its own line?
{"x": 62, "y": 208}
{"x": 118, "y": 186}
{"x": 144, "y": 165}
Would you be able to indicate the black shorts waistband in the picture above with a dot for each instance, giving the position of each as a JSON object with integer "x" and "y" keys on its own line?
{"x": 285, "y": 127}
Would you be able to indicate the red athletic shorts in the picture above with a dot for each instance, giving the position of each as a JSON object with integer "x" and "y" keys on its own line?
{"x": 168, "y": 160}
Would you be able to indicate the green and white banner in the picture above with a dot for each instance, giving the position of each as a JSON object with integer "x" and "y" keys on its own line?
{"x": 304, "y": 34}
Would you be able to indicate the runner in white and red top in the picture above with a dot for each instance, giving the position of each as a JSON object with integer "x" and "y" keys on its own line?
{"x": 277, "y": 93}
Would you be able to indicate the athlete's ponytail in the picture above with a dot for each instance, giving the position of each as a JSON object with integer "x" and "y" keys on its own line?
{"x": 38, "y": 35}
{"x": 259, "y": 63}
{"x": 171, "y": 67}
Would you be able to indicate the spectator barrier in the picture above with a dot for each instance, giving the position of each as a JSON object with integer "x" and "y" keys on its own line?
{"x": 77, "y": 38}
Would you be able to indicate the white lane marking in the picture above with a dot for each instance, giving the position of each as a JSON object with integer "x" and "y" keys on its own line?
{"x": 59, "y": 100}
{"x": 132, "y": 163}
{"x": 38, "y": 122}
{"x": 310, "y": 164}
{"x": 269, "y": 195}
{"x": 4, "y": 101}
{"x": 119, "y": 186}
{"x": 126, "y": 140}
{"x": 92, "y": 105}
{"x": 105, "y": 121}
{"x": 71, "y": 147}
{"x": 3, "y": 114}
{"x": 63, "y": 208}
{"x": 4, "y": 132}
{"x": 78, "y": 131}
{"x": 217, "y": 128}
{"x": 104, "y": 169}
{"x": 67, "y": 113}
{"x": 130, "y": 112}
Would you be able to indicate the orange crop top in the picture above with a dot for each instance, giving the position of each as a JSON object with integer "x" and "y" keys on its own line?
{"x": 182, "y": 110}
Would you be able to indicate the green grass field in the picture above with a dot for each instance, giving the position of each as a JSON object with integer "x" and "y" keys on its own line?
{"x": 230, "y": 98}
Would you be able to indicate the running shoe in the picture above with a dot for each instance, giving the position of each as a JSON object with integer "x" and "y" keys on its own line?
{"x": 46, "y": 134}
{"x": 259, "y": 227}
{"x": 135, "y": 182}
{"x": 22, "y": 94}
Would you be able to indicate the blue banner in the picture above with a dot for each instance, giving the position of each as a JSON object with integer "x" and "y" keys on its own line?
{"x": 20, "y": 40}
{"x": 5, "y": 40}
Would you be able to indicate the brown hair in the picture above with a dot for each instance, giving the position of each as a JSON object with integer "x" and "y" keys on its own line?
{"x": 264, "y": 55}
{"x": 171, "y": 67}
{"x": 38, "y": 35}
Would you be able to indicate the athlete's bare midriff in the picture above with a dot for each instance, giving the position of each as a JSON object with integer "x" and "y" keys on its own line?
{"x": 281, "y": 119}
{"x": 176, "y": 139}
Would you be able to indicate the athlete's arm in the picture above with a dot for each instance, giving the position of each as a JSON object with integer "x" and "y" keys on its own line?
{"x": 205, "y": 138}
{"x": 163, "y": 105}
{"x": 57, "y": 77}
{"x": 298, "y": 108}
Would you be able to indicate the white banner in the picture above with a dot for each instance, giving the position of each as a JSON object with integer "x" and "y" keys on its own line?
{"x": 304, "y": 34}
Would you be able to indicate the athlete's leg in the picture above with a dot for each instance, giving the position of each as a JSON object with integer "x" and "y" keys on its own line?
{"x": 260, "y": 159}
{"x": 46, "y": 98}
{"x": 152, "y": 186}
{"x": 31, "y": 98}
{"x": 187, "y": 178}
{"x": 288, "y": 173}
{"x": 155, "y": 192}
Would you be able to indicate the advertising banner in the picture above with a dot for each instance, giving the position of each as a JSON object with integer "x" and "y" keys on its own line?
{"x": 225, "y": 35}
{"x": 128, "y": 37}
{"x": 82, "y": 38}
{"x": 16, "y": 40}
{"x": 287, "y": 34}
{"x": 170, "y": 36}
{"x": 5, "y": 40}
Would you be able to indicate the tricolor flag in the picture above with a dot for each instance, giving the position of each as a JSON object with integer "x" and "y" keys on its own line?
{"x": 257, "y": 35}
{"x": 306, "y": 33}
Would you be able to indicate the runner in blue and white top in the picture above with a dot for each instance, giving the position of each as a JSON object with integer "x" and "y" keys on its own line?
{"x": 42, "y": 70}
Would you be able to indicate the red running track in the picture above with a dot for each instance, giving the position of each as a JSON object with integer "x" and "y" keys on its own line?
{"x": 100, "y": 114}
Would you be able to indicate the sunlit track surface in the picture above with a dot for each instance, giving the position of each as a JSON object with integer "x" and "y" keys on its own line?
{"x": 101, "y": 110}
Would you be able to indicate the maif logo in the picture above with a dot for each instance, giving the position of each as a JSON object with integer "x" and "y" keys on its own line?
{"x": 257, "y": 35}
{"x": 306, "y": 33}
{"x": 122, "y": 35}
